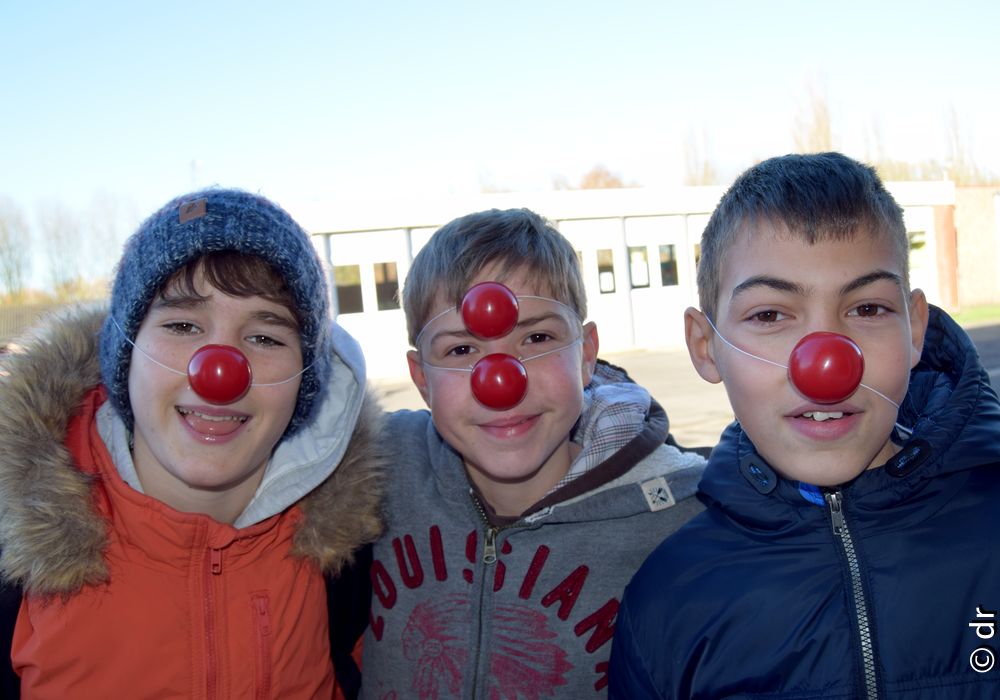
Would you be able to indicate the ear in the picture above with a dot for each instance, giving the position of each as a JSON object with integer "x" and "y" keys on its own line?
{"x": 418, "y": 376}
{"x": 698, "y": 335}
{"x": 591, "y": 343}
{"x": 918, "y": 324}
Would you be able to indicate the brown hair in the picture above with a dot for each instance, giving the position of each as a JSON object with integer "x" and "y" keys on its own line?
{"x": 510, "y": 238}
{"x": 816, "y": 197}
{"x": 236, "y": 274}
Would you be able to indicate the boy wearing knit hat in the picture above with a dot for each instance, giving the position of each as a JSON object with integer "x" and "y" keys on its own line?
{"x": 179, "y": 474}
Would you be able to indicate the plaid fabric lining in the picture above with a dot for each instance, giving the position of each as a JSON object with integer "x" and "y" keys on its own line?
{"x": 614, "y": 412}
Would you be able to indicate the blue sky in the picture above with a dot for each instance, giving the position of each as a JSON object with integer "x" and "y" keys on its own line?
{"x": 325, "y": 103}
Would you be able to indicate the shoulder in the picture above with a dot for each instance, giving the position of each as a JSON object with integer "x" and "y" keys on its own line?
{"x": 407, "y": 422}
{"x": 676, "y": 472}
{"x": 663, "y": 609}
{"x": 409, "y": 435}
{"x": 417, "y": 456}
{"x": 684, "y": 564}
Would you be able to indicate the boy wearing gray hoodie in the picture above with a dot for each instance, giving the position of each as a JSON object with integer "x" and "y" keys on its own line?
{"x": 521, "y": 503}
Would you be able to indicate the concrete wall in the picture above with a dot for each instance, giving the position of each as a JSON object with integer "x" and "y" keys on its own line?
{"x": 978, "y": 245}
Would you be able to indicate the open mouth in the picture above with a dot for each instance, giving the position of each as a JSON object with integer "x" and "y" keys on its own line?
{"x": 212, "y": 426}
{"x": 820, "y": 416}
{"x": 213, "y": 419}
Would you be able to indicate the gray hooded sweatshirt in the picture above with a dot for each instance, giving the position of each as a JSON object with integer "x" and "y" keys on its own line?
{"x": 469, "y": 605}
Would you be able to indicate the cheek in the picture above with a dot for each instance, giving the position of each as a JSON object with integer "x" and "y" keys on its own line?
{"x": 445, "y": 390}
{"x": 557, "y": 377}
{"x": 146, "y": 379}
{"x": 745, "y": 386}
{"x": 887, "y": 366}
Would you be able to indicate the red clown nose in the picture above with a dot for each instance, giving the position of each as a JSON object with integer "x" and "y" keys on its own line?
{"x": 499, "y": 381}
{"x": 826, "y": 367}
{"x": 489, "y": 310}
{"x": 220, "y": 374}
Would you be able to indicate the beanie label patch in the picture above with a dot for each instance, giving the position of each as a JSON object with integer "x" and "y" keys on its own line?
{"x": 192, "y": 210}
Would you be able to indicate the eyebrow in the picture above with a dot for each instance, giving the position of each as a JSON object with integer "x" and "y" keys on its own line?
{"x": 775, "y": 283}
{"x": 178, "y": 301}
{"x": 186, "y": 302}
{"x": 783, "y": 285}
{"x": 464, "y": 332}
{"x": 540, "y": 318}
{"x": 275, "y": 319}
{"x": 871, "y": 278}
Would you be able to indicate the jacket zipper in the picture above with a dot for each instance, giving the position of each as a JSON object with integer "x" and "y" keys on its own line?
{"x": 489, "y": 558}
{"x": 262, "y": 620}
{"x": 213, "y": 568}
{"x": 835, "y": 500}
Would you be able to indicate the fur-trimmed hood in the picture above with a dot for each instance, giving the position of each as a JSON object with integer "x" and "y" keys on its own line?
{"x": 52, "y": 538}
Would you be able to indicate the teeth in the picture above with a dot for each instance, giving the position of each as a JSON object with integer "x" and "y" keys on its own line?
{"x": 216, "y": 419}
{"x": 822, "y": 416}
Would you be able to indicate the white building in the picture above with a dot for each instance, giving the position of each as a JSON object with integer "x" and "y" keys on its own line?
{"x": 638, "y": 249}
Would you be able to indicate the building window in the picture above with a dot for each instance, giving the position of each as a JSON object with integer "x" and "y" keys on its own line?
{"x": 386, "y": 286}
{"x": 606, "y": 270}
{"x": 638, "y": 266}
{"x": 348, "y": 281}
{"x": 668, "y": 265}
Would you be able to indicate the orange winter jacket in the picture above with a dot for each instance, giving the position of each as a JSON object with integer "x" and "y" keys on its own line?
{"x": 192, "y": 608}
{"x": 126, "y": 597}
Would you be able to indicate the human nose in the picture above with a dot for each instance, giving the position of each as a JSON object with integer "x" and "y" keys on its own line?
{"x": 826, "y": 367}
{"x": 499, "y": 381}
{"x": 220, "y": 374}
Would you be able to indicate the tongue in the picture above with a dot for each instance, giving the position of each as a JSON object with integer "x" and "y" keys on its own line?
{"x": 212, "y": 427}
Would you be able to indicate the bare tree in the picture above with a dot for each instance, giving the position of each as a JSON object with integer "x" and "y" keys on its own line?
{"x": 560, "y": 182}
{"x": 698, "y": 167}
{"x": 15, "y": 248}
{"x": 961, "y": 164}
{"x": 60, "y": 235}
{"x": 892, "y": 169}
{"x": 597, "y": 178}
{"x": 600, "y": 178}
{"x": 110, "y": 219}
{"x": 812, "y": 132}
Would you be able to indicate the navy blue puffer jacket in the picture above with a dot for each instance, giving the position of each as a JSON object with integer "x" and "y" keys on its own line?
{"x": 863, "y": 591}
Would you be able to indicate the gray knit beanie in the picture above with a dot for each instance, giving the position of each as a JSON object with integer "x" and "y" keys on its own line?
{"x": 210, "y": 221}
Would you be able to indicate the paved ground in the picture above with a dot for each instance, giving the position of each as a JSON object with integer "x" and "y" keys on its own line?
{"x": 698, "y": 410}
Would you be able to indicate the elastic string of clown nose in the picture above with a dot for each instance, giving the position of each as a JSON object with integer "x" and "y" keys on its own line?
{"x": 519, "y": 359}
{"x": 184, "y": 374}
{"x": 907, "y": 431}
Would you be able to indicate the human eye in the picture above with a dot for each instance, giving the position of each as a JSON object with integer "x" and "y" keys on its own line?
{"x": 868, "y": 310}
{"x": 459, "y": 351}
{"x": 264, "y": 341}
{"x": 539, "y": 337}
{"x": 766, "y": 317}
{"x": 181, "y": 327}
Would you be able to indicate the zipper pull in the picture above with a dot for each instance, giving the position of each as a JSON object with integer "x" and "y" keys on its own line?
{"x": 215, "y": 560}
{"x": 263, "y": 614}
{"x": 490, "y": 546}
{"x": 835, "y": 501}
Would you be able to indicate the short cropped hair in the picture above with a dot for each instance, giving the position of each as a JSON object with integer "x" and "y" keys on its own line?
{"x": 816, "y": 197}
{"x": 510, "y": 238}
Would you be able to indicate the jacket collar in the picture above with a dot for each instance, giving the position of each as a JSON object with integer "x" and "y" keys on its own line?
{"x": 955, "y": 417}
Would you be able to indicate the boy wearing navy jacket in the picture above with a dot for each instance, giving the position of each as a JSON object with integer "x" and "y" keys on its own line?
{"x": 847, "y": 549}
